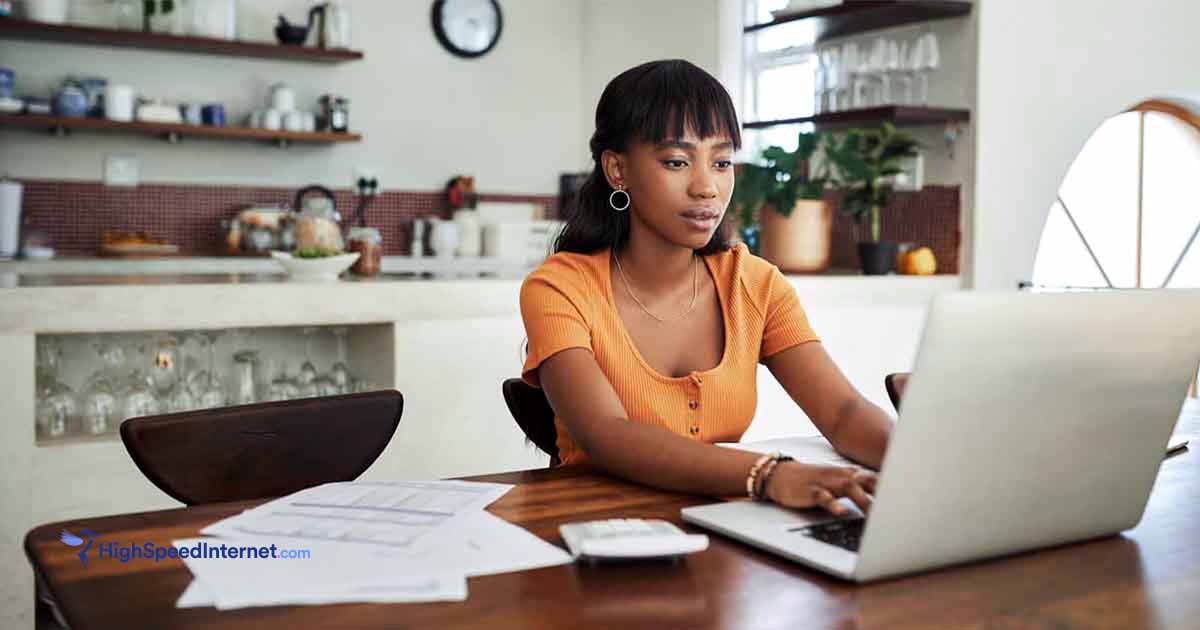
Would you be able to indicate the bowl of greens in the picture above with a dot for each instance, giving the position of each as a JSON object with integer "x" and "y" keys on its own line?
{"x": 315, "y": 265}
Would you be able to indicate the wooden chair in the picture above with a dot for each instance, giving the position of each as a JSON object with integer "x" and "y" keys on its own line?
{"x": 262, "y": 450}
{"x": 895, "y": 383}
{"x": 531, "y": 410}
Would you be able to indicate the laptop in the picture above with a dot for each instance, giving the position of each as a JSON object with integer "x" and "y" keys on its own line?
{"x": 1030, "y": 420}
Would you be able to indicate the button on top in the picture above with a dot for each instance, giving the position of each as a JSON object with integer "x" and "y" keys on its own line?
{"x": 693, "y": 404}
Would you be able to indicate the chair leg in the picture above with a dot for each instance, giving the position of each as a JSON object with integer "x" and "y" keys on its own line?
{"x": 46, "y": 615}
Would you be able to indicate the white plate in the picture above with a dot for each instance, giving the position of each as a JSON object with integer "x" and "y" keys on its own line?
{"x": 315, "y": 269}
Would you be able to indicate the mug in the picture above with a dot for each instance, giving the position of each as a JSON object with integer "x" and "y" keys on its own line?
{"x": 192, "y": 113}
{"x": 272, "y": 119}
{"x": 213, "y": 115}
{"x": 293, "y": 121}
{"x": 118, "y": 103}
{"x": 283, "y": 97}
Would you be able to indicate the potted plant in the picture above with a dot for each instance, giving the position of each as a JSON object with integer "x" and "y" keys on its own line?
{"x": 794, "y": 227}
{"x": 866, "y": 162}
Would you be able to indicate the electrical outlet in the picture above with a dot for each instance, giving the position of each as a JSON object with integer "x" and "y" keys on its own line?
{"x": 121, "y": 170}
{"x": 364, "y": 177}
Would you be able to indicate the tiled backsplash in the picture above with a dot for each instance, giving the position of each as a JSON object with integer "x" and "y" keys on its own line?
{"x": 75, "y": 214}
{"x": 929, "y": 217}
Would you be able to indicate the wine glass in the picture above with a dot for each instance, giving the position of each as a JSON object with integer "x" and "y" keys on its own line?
{"x": 308, "y": 371}
{"x": 136, "y": 391}
{"x": 100, "y": 406}
{"x": 281, "y": 387}
{"x": 340, "y": 373}
{"x": 56, "y": 406}
{"x": 207, "y": 387}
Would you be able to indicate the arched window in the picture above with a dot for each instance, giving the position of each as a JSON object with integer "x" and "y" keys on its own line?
{"x": 1128, "y": 210}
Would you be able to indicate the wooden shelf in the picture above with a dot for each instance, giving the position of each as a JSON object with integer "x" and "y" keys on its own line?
{"x": 898, "y": 115}
{"x": 172, "y": 132}
{"x": 86, "y": 35}
{"x": 860, "y": 16}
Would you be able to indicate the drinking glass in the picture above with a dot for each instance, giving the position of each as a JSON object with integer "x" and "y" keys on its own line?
{"x": 340, "y": 373}
{"x": 56, "y": 407}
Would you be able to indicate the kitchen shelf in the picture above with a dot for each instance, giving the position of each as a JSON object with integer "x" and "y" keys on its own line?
{"x": 859, "y": 16}
{"x": 11, "y": 28}
{"x": 898, "y": 115}
{"x": 172, "y": 132}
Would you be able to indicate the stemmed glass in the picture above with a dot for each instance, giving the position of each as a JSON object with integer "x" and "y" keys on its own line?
{"x": 926, "y": 58}
{"x": 100, "y": 406}
{"x": 892, "y": 72}
{"x": 137, "y": 389}
{"x": 56, "y": 402}
{"x": 282, "y": 387}
{"x": 207, "y": 386}
{"x": 340, "y": 373}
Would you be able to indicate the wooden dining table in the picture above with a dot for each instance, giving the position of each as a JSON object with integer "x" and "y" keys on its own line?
{"x": 1147, "y": 577}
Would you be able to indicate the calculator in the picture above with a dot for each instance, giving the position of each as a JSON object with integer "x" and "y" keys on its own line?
{"x": 629, "y": 539}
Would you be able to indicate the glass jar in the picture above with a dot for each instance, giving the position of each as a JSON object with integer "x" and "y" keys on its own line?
{"x": 368, "y": 242}
{"x": 335, "y": 113}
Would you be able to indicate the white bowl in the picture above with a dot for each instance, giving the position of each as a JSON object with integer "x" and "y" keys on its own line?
{"x": 315, "y": 269}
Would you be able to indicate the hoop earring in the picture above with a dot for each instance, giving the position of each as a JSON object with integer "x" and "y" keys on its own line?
{"x": 624, "y": 207}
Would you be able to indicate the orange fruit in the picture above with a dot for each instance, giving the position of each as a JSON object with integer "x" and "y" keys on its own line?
{"x": 921, "y": 262}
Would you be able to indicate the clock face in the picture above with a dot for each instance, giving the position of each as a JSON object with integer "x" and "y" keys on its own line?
{"x": 467, "y": 28}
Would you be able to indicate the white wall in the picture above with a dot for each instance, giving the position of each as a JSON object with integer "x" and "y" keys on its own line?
{"x": 1049, "y": 74}
{"x": 620, "y": 34}
{"x": 510, "y": 117}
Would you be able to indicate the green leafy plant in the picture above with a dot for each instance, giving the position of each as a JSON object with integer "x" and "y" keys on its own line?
{"x": 779, "y": 180}
{"x": 865, "y": 161}
{"x": 314, "y": 252}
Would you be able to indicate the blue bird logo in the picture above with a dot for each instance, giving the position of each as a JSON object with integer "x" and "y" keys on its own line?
{"x": 71, "y": 540}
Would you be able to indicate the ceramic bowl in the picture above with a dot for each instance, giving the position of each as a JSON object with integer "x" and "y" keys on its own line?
{"x": 315, "y": 269}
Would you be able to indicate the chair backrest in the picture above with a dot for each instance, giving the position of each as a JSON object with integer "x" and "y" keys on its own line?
{"x": 262, "y": 450}
{"x": 894, "y": 384}
{"x": 531, "y": 410}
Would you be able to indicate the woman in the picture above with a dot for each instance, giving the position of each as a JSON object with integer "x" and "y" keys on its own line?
{"x": 646, "y": 326}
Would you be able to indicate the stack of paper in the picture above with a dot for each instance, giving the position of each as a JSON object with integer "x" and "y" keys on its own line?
{"x": 402, "y": 541}
{"x": 808, "y": 449}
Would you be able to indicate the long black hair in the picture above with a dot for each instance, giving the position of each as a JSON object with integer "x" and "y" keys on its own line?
{"x": 653, "y": 102}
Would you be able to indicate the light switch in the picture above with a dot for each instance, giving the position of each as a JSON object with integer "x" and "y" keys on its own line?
{"x": 121, "y": 170}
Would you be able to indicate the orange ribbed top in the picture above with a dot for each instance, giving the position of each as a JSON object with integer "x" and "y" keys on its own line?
{"x": 567, "y": 302}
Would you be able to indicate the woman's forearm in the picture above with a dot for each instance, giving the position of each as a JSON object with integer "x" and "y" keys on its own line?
{"x": 657, "y": 457}
{"x": 862, "y": 433}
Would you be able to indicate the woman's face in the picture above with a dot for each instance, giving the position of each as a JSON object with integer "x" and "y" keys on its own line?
{"x": 679, "y": 188}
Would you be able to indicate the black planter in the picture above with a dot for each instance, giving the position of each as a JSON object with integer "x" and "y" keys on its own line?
{"x": 877, "y": 258}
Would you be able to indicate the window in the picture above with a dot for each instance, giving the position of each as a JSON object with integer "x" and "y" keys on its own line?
{"x": 779, "y": 77}
{"x": 1126, "y": 214}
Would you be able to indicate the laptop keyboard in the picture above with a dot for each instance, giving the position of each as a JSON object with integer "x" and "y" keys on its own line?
{"x": 846, "y": 534}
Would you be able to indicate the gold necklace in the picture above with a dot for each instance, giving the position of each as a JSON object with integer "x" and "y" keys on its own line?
{"x": 695, "y": 290}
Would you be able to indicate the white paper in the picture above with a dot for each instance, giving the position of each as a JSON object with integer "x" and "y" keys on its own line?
{"x": 351, "y": 531}
{"x": 333, "y": 573}
{"x": 808, "y": 449}
{"x": 389, "y": 513}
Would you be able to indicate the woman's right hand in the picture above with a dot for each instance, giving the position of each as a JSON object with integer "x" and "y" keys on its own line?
{"x": 798, "y": 485}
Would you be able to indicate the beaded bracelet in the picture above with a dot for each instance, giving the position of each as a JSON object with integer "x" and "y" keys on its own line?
{"x": 767, "y": 472}
{"x": 752, "y": 478}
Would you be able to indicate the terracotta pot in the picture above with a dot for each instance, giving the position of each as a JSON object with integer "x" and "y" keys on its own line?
{"x": 799, "y": 243}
